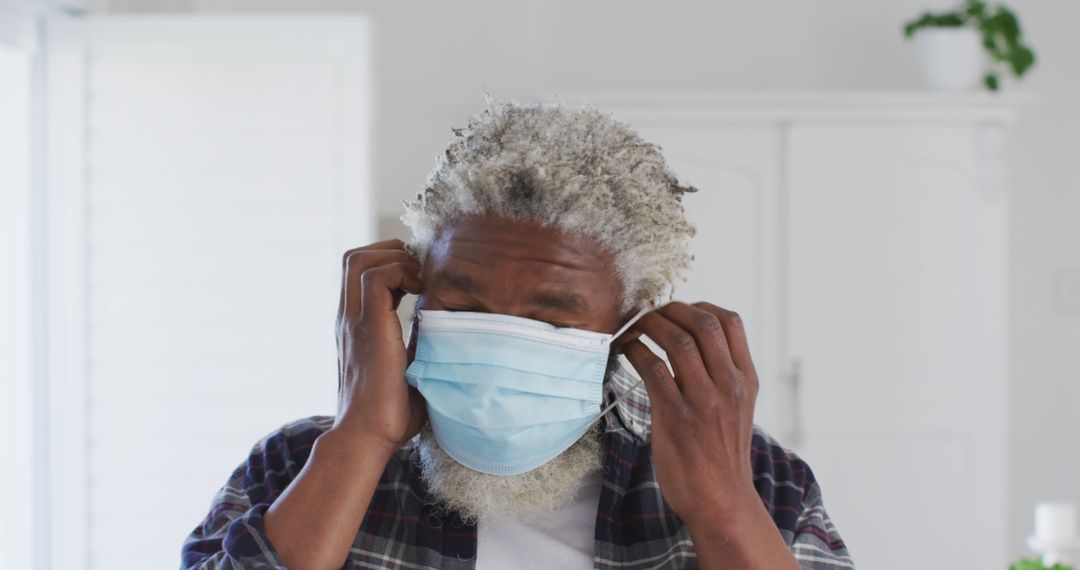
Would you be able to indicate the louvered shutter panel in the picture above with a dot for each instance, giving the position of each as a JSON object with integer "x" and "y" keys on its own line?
{"x": 226, "y": 171}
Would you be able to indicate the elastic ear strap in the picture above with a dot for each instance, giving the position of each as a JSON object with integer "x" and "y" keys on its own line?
{"x": 622, "y": 397}
{"x": 619, "y": 398}
{"x": 632, "y": 320}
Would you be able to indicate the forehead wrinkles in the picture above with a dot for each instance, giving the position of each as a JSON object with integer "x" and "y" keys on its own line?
{"x": 541, "y": 245}
{"x": 485, "y": 253}
{"x": 514, "y": 265}
{"x": 503, "y": 273}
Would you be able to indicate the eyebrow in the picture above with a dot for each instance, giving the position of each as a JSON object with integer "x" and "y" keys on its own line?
{"x": 568, "y": 301}
{"x": 459, "y": 281}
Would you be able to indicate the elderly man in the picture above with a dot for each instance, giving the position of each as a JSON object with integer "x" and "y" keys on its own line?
{"x": 525, "y": 424}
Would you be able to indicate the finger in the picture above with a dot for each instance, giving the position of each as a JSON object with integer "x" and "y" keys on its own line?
{"x": 356, "y": 264}
{"x": 390, "y": 244}
{"x": 653, "y": 370}
{"x": 377, "y": 286}
{"x": 680, "y": 346}
{"x": 735, "y": 332}
{"x": 708, "y": 332}
{"x": 384, "y": 244}
{"x": 363, "y": 257}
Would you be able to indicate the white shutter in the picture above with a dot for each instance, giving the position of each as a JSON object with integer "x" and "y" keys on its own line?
{"x": 17, "y": 318}
{"x": 226, "y": 170}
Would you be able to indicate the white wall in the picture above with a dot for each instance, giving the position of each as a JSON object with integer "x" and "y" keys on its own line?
{"x": 1045, "y": 395}
{"x": 431, "y": 63}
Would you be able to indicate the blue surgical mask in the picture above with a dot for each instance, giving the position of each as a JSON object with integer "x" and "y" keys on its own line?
{"x": 507, "y": 394}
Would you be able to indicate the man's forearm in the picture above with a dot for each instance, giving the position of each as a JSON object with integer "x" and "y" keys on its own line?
{"x": 746, "y": 538}
{"x": 313, "y": 523}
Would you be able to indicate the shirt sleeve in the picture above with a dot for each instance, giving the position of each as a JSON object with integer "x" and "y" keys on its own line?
{"x": 232, "y": 536}
{"x": 816, "y": 543}
{"x": 793, "y": 497}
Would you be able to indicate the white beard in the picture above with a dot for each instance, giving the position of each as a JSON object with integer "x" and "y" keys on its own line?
{"x": 473, "y": 494}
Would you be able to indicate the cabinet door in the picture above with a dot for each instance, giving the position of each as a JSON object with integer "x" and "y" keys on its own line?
{"x": 894, "y": 314}
{"x": 736, "y": 209}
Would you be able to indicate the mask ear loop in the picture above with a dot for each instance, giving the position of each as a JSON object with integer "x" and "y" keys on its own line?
{"x": 640, "y": 381}
{"x": 618, "y": 399}
{"x": 632, "y": 320}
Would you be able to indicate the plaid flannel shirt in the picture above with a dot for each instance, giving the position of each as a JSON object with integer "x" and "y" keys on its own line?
{"x": 635, "y": 529}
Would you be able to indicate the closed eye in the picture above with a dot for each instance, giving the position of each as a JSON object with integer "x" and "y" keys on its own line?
{"x": 463, "y": 309}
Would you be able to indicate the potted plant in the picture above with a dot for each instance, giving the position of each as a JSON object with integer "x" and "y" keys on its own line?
{"x": 1036, "y": 564}
{"x": 976, "y": 39}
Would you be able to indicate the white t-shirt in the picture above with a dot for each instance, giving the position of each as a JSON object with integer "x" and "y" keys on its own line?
{"x": 561, "y": 539}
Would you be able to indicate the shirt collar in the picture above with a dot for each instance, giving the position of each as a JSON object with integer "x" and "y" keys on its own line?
{"x": 632, "y": 412}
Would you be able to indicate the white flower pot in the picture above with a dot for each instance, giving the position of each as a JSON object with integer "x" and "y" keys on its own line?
{"x": 952, "y": 59}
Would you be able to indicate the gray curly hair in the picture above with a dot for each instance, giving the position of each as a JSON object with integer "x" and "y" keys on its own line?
{"x": 572, "y": 168}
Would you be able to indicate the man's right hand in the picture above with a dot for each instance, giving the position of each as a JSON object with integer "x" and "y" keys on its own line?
{"x": 374, "y": 401}
{"x": 314, "y": 522}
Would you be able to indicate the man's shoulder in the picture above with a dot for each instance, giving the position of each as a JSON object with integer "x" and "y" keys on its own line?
{"x": 287, "y": 447}
{"x": 770, "y": 456}
{"x": 783, "y": 479}
{"x": 277, "y": 457}
{"x": 293, "y": 442}
{"x": 316, "y": 425}
{"x": 793, "y": 497}
{"x": 297, "y": 435}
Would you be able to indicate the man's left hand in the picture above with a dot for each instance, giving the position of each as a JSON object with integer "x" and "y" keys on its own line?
{"x": 702, "y": 427}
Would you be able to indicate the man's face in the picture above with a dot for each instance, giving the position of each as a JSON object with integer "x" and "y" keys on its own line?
{"x": 519, "y": 268}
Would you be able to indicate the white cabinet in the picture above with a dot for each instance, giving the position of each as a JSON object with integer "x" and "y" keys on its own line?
{"x": 736, "y": 249}
{"x": 863, "y": 238}
{"x": 888, "y": 293}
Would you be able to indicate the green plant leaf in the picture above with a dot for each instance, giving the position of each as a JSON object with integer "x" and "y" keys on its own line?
{"x": 1010, "y": 26}
{"x": 1000, "y": 32}
{"x": 1022, "y": 60}
{"x": 1036, "y": 564}
{"x": 931, "y": 20}
{"x": 952, "y": 20}
{"x": 912, "y": 25}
